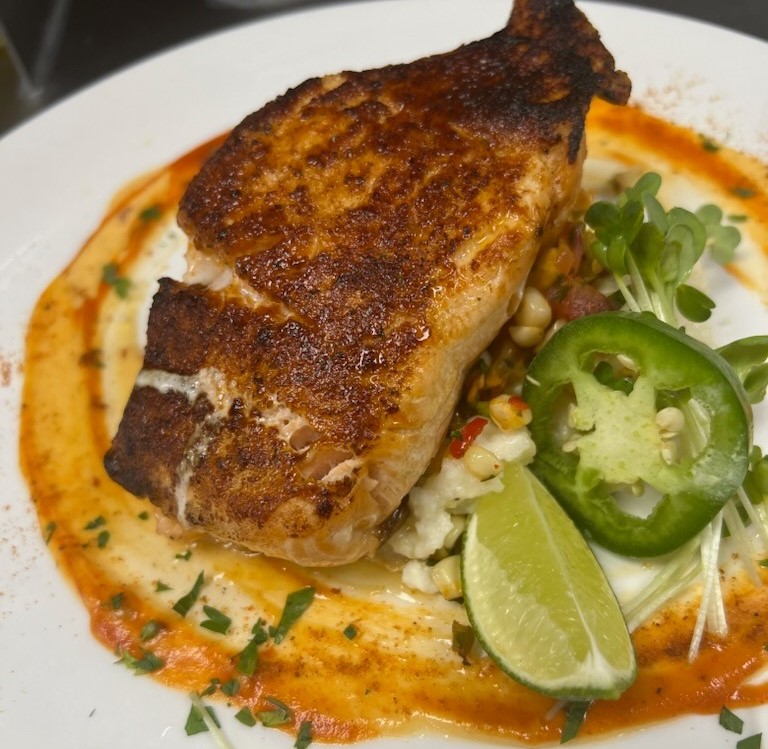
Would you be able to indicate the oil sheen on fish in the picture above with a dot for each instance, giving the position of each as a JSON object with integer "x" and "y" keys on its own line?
{"x": 354, "y": 245}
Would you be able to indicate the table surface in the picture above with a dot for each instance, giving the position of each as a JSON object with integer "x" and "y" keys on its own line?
{"x": 55, "y": 47}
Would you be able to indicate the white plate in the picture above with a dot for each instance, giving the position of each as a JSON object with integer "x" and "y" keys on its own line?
{"x": 58, "y": 687}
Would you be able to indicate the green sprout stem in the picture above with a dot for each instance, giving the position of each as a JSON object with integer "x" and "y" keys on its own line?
{"x": 644, "y": 300}
{"x": 629, "y": 298}
{"x": 650, "y": 252}
{"x": 711, "y": 614}
{"x": 675, "y": 576}
{"x": 740, "y": 535}
{"x": 754, "y": 515}
{"x": 219, "y": 736}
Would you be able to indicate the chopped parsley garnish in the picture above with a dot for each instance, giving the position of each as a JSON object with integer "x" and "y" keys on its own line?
{"x": 150, "y": 629}
{"x": 185, "y": 556}
{"x": 110, "y": 275}
{"x": 304, "y": 738}
{"x": 231, "y": 687}
{"x": 151, "y": 213}
{"x": 462, "y": 641}
{"x": 146, "y": 664}
{"x": 50, "y": 529}
{"x": 751, "y": 742}
{"x": 709, "y": 145}
{"x": 245, "y": 716}
{"x": 97, "y": 522}
{"x": 116, "y": 602}
{"x": 730, "y": 721}
{"x": 216, "y": 621}
{"x": 213, "y": 685}
{"x": 196, "y": 722}
{"x": 350, "y": 631}
{"x": 248, "y": 657}
{"x": 280, "y": 715}
{"x": 143, "y": 515}
{"x": 161, "y": 587}
{"x": 186, "y": 602}
{"x": 743, "y": 192}
{"x": 102, "y": 539}
{"x": 574, "y": 717}
{"x": 296, "y": 604}
{"x": 92, "y": 358}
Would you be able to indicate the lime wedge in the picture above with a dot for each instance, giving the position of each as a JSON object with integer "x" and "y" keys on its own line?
{"x": 537, "y": 598}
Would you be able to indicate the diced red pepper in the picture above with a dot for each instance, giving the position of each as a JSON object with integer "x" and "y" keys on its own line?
{"x": 518, "y": 403}
{"x": 467, "y": 435}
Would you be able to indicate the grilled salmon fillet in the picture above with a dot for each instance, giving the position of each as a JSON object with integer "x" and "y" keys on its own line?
{"x": 354, "y": 246}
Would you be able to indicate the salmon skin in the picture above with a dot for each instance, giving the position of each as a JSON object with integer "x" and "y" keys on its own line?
{"x": 354, "y": 246}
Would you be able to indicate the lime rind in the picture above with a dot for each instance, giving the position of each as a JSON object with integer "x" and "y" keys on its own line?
{"x": 537, "y": 598}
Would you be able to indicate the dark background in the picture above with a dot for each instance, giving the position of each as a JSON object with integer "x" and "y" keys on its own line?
{"x": 53, "y": 47}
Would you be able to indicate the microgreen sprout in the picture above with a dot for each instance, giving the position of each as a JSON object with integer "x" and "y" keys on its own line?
{"x": 748, "y": 358}
{"x": 651, "y": 253}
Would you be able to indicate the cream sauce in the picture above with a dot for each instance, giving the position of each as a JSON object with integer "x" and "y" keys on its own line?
{"x": 398, "y": 673}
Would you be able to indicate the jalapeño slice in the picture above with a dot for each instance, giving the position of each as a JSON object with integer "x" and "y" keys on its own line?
{"x": 629, "y": 411}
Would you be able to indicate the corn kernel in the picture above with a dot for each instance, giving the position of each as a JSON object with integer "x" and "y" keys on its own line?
{"x": 459, "y": 522}
{"x": 480, "y": 462}
{"x": 509, "y": 413}
{"x": 534, "y": 310}
{"x": 446, "y": 575}
{"x": 526, "y": 336}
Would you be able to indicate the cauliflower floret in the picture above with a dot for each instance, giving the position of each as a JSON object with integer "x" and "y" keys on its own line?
{"x": 452, "y": 491}
{"x": 510, "y": 447}
{"x": 417, "y": 576}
